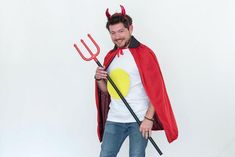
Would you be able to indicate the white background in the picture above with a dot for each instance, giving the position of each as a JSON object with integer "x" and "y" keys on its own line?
{"x": 47, "y": 105}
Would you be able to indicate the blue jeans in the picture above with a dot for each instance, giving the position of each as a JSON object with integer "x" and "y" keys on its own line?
{"x": 115, "y": 134}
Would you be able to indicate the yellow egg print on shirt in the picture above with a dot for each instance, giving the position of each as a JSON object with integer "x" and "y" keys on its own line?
{"x": 122, "y": 80}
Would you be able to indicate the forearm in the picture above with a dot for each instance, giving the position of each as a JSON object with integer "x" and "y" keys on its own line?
{"x": 102, "y": 85}
{"x": 150, "y": 112}
{"x": 147, "y": 123}
{"x": 101, "y": 78}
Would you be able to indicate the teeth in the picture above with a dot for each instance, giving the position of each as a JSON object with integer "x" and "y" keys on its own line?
{"x": 119, "y": 41}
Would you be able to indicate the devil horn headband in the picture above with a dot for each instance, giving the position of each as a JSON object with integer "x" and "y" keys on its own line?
{"x": 123, "y": 12}
{"x": 107, "y": 13}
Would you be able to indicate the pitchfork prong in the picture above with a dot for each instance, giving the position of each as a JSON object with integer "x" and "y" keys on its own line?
{"x": 93, "y": 55}
{"x": 96, "y": 45}
{"x": 80, "y": 53}
{"x": 88, "y": 49}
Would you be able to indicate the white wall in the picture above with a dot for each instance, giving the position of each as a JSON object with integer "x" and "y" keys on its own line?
{"x": 47, "y": 106}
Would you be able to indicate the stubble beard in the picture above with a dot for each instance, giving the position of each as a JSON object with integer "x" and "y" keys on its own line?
{"x": 125, "y": 45}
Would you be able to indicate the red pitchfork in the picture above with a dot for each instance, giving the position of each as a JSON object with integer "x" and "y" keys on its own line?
{"x": 93, "y": 56}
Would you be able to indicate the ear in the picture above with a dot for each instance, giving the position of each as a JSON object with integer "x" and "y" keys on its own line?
{"x": 131, "y": 28}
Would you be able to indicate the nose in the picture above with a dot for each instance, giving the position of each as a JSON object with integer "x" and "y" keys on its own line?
{"x": 116, "y": 36}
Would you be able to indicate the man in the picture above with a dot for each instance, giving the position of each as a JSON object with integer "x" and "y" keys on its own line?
{"x": 135, "y": 70}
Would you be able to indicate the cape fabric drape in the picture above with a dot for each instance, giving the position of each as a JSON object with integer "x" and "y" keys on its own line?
{"x": 154, "y": 86}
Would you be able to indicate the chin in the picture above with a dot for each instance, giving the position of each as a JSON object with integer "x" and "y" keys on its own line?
{"x": 119, "y": 46}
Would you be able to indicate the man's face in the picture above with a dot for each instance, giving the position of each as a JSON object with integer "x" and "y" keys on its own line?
{"x": 120, "y": 35}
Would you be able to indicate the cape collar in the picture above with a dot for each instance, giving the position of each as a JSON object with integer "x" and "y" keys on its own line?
{"x": 134, "y": 43}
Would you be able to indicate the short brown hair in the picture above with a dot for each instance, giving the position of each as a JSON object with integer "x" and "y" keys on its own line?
{"x": 119, "y": 18}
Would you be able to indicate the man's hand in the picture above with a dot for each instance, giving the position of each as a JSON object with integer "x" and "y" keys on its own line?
{"x": 146, "y": 128}
{"x": 100, "y": 73}
{"x": 101, "y": 77}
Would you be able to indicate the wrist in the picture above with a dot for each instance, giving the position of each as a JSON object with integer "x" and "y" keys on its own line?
{"x": 150, "y": 119}
{"x": 97, "y": 79}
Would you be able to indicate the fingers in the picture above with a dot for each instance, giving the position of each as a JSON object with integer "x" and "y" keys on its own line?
{"x": 149, "y": 133}
{"x": 146, "y": 133}
{"x": 146, "y": 129}
{"x": 101, "y": 73}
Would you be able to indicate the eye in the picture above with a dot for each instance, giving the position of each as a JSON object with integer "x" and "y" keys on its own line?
{"x": 112, "y": 33}
{"x": 121, "y": 31}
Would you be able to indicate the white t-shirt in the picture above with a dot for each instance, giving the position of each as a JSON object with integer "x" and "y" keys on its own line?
{"x": 136, "y": 96}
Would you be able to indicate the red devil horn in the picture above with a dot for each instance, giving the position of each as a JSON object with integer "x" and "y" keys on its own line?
{"x": 107, "y": 13}
{"x": 123, "y": 10}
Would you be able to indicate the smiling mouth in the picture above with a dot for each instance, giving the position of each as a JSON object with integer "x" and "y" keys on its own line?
{"x": 119, "y": 41}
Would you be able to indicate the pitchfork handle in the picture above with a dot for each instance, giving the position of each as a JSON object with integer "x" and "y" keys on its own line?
{"x": 128, "y": 107}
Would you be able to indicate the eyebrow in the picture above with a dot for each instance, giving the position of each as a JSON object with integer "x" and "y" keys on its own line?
{"x": 122, "y": 29}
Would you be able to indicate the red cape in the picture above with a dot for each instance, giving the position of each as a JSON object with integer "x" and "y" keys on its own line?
{"x": 154, "y": 86}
